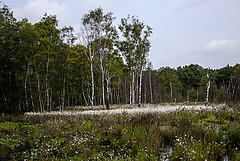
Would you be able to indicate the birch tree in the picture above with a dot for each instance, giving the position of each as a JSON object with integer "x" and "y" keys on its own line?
{"x": 143, "y": 49}
{"x": 48, "y": 40}
{"x": 150, "y": 68}
{"x": 89, "y": 34}
{"x": 97, "y": 32}
{"x": 107, "y": 37}
{"x": 208, "y": 88}
{"x": 134, "y": 48}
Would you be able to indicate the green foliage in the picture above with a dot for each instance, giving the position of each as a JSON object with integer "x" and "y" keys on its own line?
{"x": 181, "y": 134}
{"x": 43, "y": 69}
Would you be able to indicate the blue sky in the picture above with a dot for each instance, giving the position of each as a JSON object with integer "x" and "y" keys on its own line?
{"x": 204, "y": 32}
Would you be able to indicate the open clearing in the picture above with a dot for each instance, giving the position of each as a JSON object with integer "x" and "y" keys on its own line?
{"x": 145, "y": 109}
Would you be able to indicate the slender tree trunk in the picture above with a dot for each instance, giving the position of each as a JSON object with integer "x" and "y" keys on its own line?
{"x": 39, "y": 89}
{"x": 150, "y": 86}
{"x": 103, "y": 92}
{"x": 85, "y": 99}
{"x": 126, "y": 93}
{"x": 133, "y": 89}
{"x": 51, "y": 99}
{"x": 25, "y": 87}
{"x": 171, "y": 92}
{"x": 208, "y": 88}
{"x": 130, "y": 95}
{"x": 92, "y": 99}
{"x": 140, "y": 88}
{"x": 46, "y": 81}
{"x": 108, "y": 93}
{"x": 118, "y": 96}
{"x": 145, "y": 94}
{"x": 30, "y": 90}
{"x": 39, "y": 95}
{"x": 63, "y": 93}
{"x": 5, "y": 98}
{"x": 136, "y": 89}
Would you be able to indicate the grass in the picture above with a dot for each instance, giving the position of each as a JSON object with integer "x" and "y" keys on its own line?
{"x": 182, "y": 134}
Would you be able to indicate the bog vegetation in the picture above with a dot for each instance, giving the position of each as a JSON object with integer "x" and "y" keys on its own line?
{"x": 182, "y": 134}
{"x": 43, "y": 69}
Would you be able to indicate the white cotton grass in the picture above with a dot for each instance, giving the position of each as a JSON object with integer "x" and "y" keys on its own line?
{"x": 142, "y": 110}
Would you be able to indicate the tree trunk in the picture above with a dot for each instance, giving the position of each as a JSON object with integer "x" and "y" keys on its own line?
{"x": 63, "y": 94}
{"x": 140, "y": 88}
{"x": 208, "y": 88}
{"x": 84, "y": 97}
{"x": 30, "y": 90}
{"x": 133, "y": 89}
{"x": 145, "y": 94}
{"x": 50, "y": 101}
{"x": 47, "y": 84}
{"x": 150, "y": 86}
{"x": 39, "y": 90}
{"x": 130, "y": 95}
{"x": 108, "y": 93}
{"x": 25, "y": 87}
{"x": 92, "y": 97}
{"x": 171, "y": 92}
{"x": 103, "y": 92}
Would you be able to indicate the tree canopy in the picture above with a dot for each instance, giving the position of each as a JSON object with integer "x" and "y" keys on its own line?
{"x": 43, "y": 68}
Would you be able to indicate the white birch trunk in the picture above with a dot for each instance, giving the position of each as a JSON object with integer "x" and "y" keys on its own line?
{"x": 46, "y": 79}
{"x": 133, "y": 89}
{"x": 103, "y": 91}
{"x": 108, "y": 93}
{"x": 130, "y": 95}
{"x": 39, "y": 89}
{"x": 140, "y": 88}
{"x": 92, "y": 97}
{"x": 208, "y": 88}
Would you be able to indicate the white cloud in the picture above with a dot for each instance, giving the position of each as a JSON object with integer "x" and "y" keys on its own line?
{"x": 224, "y": 46}
{"x": 35, "y": 9}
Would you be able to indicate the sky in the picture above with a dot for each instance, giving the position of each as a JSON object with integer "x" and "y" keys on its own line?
{"x": 203, "y": 32}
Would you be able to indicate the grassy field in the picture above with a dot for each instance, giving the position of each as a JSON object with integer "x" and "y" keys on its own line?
{"x": 149, "y": 133}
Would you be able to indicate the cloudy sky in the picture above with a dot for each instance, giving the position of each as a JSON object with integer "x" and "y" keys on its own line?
{"x": 204, "y": 32}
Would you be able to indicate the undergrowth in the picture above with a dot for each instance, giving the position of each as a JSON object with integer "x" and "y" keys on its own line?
{"x": 177, "y": 135}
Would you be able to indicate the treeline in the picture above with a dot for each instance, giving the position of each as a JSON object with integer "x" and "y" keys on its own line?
{"x": 42, "y": 68}
{"x": 194, "y": 83}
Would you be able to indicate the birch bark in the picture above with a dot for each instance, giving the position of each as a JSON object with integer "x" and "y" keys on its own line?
{"x": 140, "y": 87}
{"x": 208, "y": 88}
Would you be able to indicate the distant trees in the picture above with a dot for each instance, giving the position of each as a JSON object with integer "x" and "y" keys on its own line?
{"x": 42, "y": 68}
{"x": 194, "y": 83}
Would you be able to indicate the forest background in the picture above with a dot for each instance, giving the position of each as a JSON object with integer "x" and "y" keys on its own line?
{"x": 43, "y": 68}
